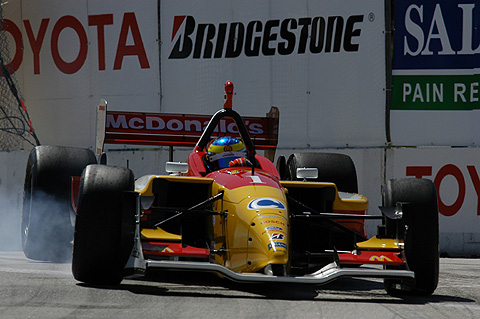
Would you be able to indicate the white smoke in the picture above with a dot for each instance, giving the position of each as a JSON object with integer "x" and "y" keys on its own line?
{"x": 55, "y": 243}
{"x": 12, "y": 175}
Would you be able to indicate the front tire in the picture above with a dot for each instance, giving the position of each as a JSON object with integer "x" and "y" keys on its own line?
{"x": 105, "y": 225}
{"x": 47, "y": 228}
{"x": 421, "y": 237}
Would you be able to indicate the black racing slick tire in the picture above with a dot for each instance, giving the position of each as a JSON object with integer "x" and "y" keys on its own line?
{"x": 332, "y": 168}
{"x": 421, "y": 234}
{"x": 47, "y": 214}
{"x": 105, "y": 225}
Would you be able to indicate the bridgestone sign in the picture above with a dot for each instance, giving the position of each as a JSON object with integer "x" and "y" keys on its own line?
{"x": 267, "y": 38}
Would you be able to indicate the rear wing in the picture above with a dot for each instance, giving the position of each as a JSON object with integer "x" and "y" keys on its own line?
{"x": 166, "y": 129}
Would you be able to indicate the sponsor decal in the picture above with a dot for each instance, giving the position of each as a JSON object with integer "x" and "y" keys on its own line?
{"x": 265, "y": 202}
{"x": 274, "y": 228}
{"x": 173, "y": 123}
{"x": 277, "y": 236}
{"x": 270, "y": 216}
{"x": 277, "y": 244}
{"x": 381, "y": 258}
{"x": 264, "y": 38}
{"x": 272, "y": 222}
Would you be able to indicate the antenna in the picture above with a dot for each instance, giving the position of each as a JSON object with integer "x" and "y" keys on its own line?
{"x": 228, "y": 95}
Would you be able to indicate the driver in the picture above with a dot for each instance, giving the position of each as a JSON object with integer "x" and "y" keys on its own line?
{"x": 223, "y": 151}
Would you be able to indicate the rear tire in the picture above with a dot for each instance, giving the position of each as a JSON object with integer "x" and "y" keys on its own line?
{"x": 47, "y": 223}
{"x": 332, "y": 167}
{"x": 421, "y": 237}
{"x": 282, "y": 167}
{"x": 105, "y": 225}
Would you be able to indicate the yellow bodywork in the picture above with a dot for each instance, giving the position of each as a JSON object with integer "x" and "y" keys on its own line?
{"x": 380, "y": 243}
{"x": 159, "y": 234}
{"x": 343, "y": 202}
{"x": 246, "y": 238}
{"x": 254, "y": 237}
{"x": 144, "y": 185}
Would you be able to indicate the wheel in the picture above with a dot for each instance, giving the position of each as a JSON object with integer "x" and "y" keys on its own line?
{"x": 282, "y": 167}
{"x": 105, "y": 224}
{"x": 47, "y": 227}
{"x": 332, "y": 167}
{"x": 421, "y": 234}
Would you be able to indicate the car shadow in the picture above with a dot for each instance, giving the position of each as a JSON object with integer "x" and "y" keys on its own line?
{"x": 208, "y": 285}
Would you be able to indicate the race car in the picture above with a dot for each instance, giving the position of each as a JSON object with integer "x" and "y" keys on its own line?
{"x": 227, "y": 210}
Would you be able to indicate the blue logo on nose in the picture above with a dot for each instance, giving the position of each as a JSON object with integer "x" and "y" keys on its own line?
{"x": 265, "y": 202}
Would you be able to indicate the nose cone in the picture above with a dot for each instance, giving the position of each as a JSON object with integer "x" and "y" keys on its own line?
{"x": 257, "y": 227}
{"x": 268, "y": 238}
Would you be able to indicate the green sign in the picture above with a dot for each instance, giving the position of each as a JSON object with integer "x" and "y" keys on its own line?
{"x": 436, "y": 92}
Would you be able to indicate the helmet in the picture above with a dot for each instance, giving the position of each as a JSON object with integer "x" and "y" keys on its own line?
{"x": 225, "y": 149}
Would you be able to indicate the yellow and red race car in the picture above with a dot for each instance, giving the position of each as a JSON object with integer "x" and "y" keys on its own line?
{"x": 227, "y": 210}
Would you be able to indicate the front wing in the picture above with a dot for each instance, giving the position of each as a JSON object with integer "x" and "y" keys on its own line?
{"x": 325, "y": 275}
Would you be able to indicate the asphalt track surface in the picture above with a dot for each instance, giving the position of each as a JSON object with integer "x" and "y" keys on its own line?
{"x": 30, "y": 289}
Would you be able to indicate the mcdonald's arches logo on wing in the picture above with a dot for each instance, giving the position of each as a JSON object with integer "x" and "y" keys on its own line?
{"x": 381, "y": 258}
